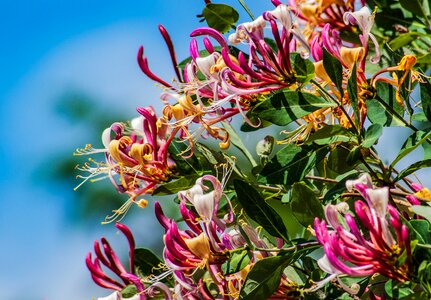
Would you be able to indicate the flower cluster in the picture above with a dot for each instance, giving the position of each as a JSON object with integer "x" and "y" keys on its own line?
{"x": 250, "y": 231}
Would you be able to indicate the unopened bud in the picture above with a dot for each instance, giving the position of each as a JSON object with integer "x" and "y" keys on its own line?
{"x": 264, "y": 147}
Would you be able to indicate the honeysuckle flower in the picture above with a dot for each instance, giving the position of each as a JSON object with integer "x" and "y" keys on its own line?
{"x": 106, "y": 256}
{"x": 405, "y": 66}
{"x": 316, "y": 14}
{"x": 137, "y": 157}
{"x": 347, "y": 251}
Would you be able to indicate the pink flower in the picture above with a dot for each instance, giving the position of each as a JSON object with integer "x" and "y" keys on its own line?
{"x": 348, "y": 251}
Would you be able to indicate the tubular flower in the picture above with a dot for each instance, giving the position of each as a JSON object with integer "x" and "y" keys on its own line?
{"x": 137, "y": 157}
{"x": 110, "y": 260}
{"x": 316, "y": 14}
{"x": 197, "y": 248}
{"x": 405, "y": 68}
{"x": 347, "y": 251}
{"x": 266, "y": 69}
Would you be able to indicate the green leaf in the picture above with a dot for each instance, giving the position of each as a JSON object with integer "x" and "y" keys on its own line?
{"x": 377, "y": 113}
{"x": 413, "y": 168}
{"x": 415, "y": 140}
{"x": 422, "y": 230}
{"x": 237, "y": 142}
{"x": 305, "y": 205}
{"x": 146, "y": 262}
{"x": 334, "y": 69}
{"x": 424, "y": 59}
{"x": 173, "y": 187}
{"x": 334, "y": 192}
{"x": 291, "y": 164}
{"x": 185, "y": 166}
{"x": 426, "y": 99}
{"x": 129, "y": 291}
{"x": 213, "y": 157}
{"x": 403, "y": 40}
{"x": 372, "y": 135}
{"x": 264, "y": 278}
{"x": 414, "y": 6}
{"x": 221, "y": 17}
{"x": 304, "y": 68}
{"x": 352, "y": 90}
{"x": 331, "y": 134}
{"x": 237, "y": 262}
{"x": 394, "y": 290}
{"x": 285, "y": 107}
{"x": 422, "y": 210}
{"x": 258, "y": 210}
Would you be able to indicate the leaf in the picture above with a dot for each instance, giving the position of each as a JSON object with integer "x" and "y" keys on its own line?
{"x": 213, "y": 157}
{"x": 291, "y": 164}
{"x": 426, "y": 99}
{"x": 237, "y": 142}
{"x": 285, "y": 107}
{"x": 330, "y": 135}
{"x": 334, "y": 69}
{"x": 305, "y": 205}
{"x": 304, "y": 68}
{"x": 424, "y": 59}
{"x": 352, "y": 90}
{"x": 415, "y": 140}
{"x": 258, "y": 210}
{"x": 146, "y": 262}
{"x": 372, "y": 135}
{"x": 403, "y": 40}
{"x": 173, "y": 187}
{"x": 129, "y": 291}
{"x": 264, "y": 278}
{"x": 413, "y": 168}
{"x": 184, "y": 166}
{"x": 334, "y": 193}
{"x": 422, "y": 210}
{"x": 221, "y": 17}
{"x": 377, "y": 113}
{"x": 422, "y": 230}
{"x": 237, "y": 262}
{"x": 414, "y": 6}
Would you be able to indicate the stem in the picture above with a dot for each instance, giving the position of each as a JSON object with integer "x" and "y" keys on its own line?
{"x": 292, "y": 248}
{"x": 320, "y": 179}
{"x": 424, "y": 246}
{"x": 246, "y": 9}
{"x": 339, "y": 105}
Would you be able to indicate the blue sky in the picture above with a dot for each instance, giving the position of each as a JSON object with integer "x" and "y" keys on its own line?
{"x": 49, "y": 47}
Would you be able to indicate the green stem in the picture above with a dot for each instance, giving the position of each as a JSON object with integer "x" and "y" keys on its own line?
{"x": 246, "y": 9}
{"x": 424, "y": 246}
{"x": 339, "y": 105}
{"x": 292, "y": 248}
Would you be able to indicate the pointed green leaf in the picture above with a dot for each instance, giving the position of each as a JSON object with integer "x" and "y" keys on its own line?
{"x": 173, "y": 187}
{"x": 304, "y": 68}
{"x": 237, "y": 142}
{"x": 291, "y": 164}
{"x": 377, "y": 113}
{"x": 258, "y": 210}
{"x": 422, "y": 210}
{"x": 305, "y": 205}
{"x": 237, "y": 262}
{"x": 372, "y": 135}
{"x": 426, "y": 99}
{"x": 334, "y": 69}
{"x": 331, "y": 134}
{"x": 352, "y": 90}
{"x": 415, "y": 7}
{"x": 264, "y": 278}
{"x": 415, "y": 140}
{"x": 413, "y": 168}
{"x": 221, "y": 17}
{"x": 285, "y": 107}
{"x": 146, "y": 262}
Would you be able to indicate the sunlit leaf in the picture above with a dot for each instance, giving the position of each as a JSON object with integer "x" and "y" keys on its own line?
{"x": 221, "y": 17}
{"x": 305, "y": 205}
{"x": 285, "y": 107}
{"x": 258, "y": 210}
